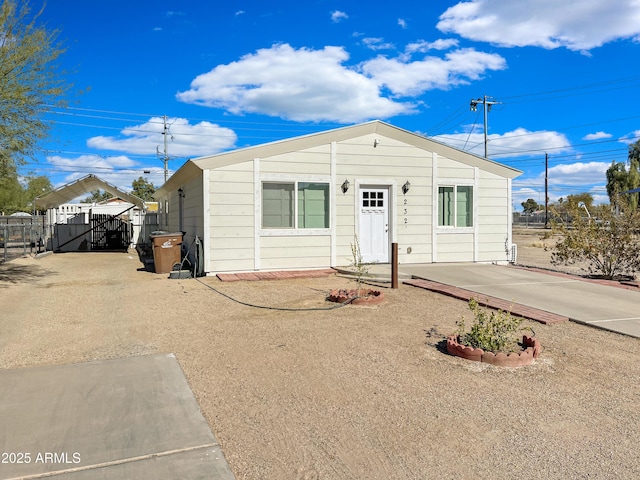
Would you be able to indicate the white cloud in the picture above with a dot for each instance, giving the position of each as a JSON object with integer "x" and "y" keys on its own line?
{"x": 577, "y": 25}
{"x": 239, "y": 12}
{"x": 422, "y": 46}
{"x": 517, "y": 143}
{"x": 402, "y": 23}
{"x": 579, "y": 173}
{"x": 632, "y": 137}
{"x": 185, "y": 140}
{"x": 317, "y": 85}
{"x": 459, "y": 67}
{"x": 519, "y": 195}
{"x": 597, "y": 136}
{"x": 564, "y": 180}
{"x": 338, "y": 16}
{"x": 376, "y": 43}
{"x": 119, "y": 170}
{"x": 300, "y": 85}
{"x": 95, "y": 162}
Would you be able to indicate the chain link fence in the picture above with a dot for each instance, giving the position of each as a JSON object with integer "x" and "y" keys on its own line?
{"x": 20, "y": 236}
{"x": 537, "y": 220}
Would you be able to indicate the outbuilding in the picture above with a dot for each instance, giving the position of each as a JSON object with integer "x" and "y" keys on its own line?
{"x": 300, "y": 203}
{"x": 115, "y": 224}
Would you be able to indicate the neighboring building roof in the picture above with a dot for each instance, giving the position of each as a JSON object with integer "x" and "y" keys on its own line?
{"x": 194, "y": 166}
{"x": 68, "y": 192}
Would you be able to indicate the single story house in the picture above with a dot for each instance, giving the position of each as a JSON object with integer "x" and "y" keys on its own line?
{"x": 300, "y": 203}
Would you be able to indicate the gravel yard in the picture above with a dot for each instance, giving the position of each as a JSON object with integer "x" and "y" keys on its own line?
{"x": 349, "y": 393}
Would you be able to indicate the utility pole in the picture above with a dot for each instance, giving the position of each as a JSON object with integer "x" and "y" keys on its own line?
{"x": 165, "y": 158}
{"x": 487, "y": 108}
{"x": 546, "y": 190}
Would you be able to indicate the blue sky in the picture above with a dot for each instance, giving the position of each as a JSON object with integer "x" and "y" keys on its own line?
{"x": 232, "y": 74}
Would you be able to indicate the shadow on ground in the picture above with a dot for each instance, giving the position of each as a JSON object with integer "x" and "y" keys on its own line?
{"x": 436, "y": 339}
{"x": 12, "y": 274}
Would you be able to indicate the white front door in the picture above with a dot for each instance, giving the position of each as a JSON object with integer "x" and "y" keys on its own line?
{"x": 373, "y": 231}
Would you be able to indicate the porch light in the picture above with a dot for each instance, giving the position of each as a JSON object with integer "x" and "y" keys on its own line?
{"x": 345, "y": 186}
{"x": 406, "y": 187}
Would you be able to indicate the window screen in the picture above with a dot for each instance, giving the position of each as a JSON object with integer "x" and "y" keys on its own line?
{"x": 313, "y": 205}
{"x": 464, "y": 206}
{"x": 277, "y": 205}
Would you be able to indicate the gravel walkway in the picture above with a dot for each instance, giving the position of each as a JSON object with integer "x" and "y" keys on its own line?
{"x": 352, "y": 393}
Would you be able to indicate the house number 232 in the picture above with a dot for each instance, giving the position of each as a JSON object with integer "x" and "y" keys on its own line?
{"x": 405, "y": 202}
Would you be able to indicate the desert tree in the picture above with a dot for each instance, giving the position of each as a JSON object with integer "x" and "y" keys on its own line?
{"x": 621, "y": 179}
{"x": 97, "y": 196}
{"x": 529, "y": 206}
{"x": 143, "y": 189}
{"x": 31, "y": 82}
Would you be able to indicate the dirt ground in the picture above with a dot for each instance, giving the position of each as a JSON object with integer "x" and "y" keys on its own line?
{"x": 348, "y": 393}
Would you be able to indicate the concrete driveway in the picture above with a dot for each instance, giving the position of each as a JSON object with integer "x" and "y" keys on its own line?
{"x": 597, "y": 305}
{"x": 112, "y": 419}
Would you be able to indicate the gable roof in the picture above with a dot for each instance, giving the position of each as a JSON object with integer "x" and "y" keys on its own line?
{"x": 72, "y": 190}
{"x": 192, "y": 167}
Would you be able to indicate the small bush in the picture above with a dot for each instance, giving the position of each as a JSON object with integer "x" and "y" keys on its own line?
{"x": 492, "y": 331}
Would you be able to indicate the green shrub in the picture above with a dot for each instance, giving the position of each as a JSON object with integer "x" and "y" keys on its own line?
{"x": 492, "y": 331}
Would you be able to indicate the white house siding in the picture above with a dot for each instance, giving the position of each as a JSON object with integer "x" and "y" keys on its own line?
{"x": 231, "y": 244}
{"x": 171, "y": 221}
{"x": 487, "y": 240}
{"x": 389, "y": 163}
{"x": 193, "y": 222}
{"x": 494, "y": 211}
{"x": 455, "y": 247}
{"x": 312, "y": 161}
{"x": 456, "y": 244}
{"x": 295, "y": 252}
{"x": 291, "y": 249}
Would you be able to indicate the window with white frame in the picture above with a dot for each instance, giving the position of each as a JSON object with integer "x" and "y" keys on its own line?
{"x": 295, "y": 205}
{"x": 455, "y": 206}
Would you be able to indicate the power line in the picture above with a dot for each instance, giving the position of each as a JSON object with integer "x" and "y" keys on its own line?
{"x": 529, "y": 96}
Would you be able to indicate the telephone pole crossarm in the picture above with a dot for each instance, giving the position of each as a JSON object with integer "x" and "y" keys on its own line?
{"x": 486, "y": 104}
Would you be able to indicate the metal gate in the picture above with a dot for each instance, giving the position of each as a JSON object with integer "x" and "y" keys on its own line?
{"x": 109, "y": 232}
{"x": 20, "y": 236}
